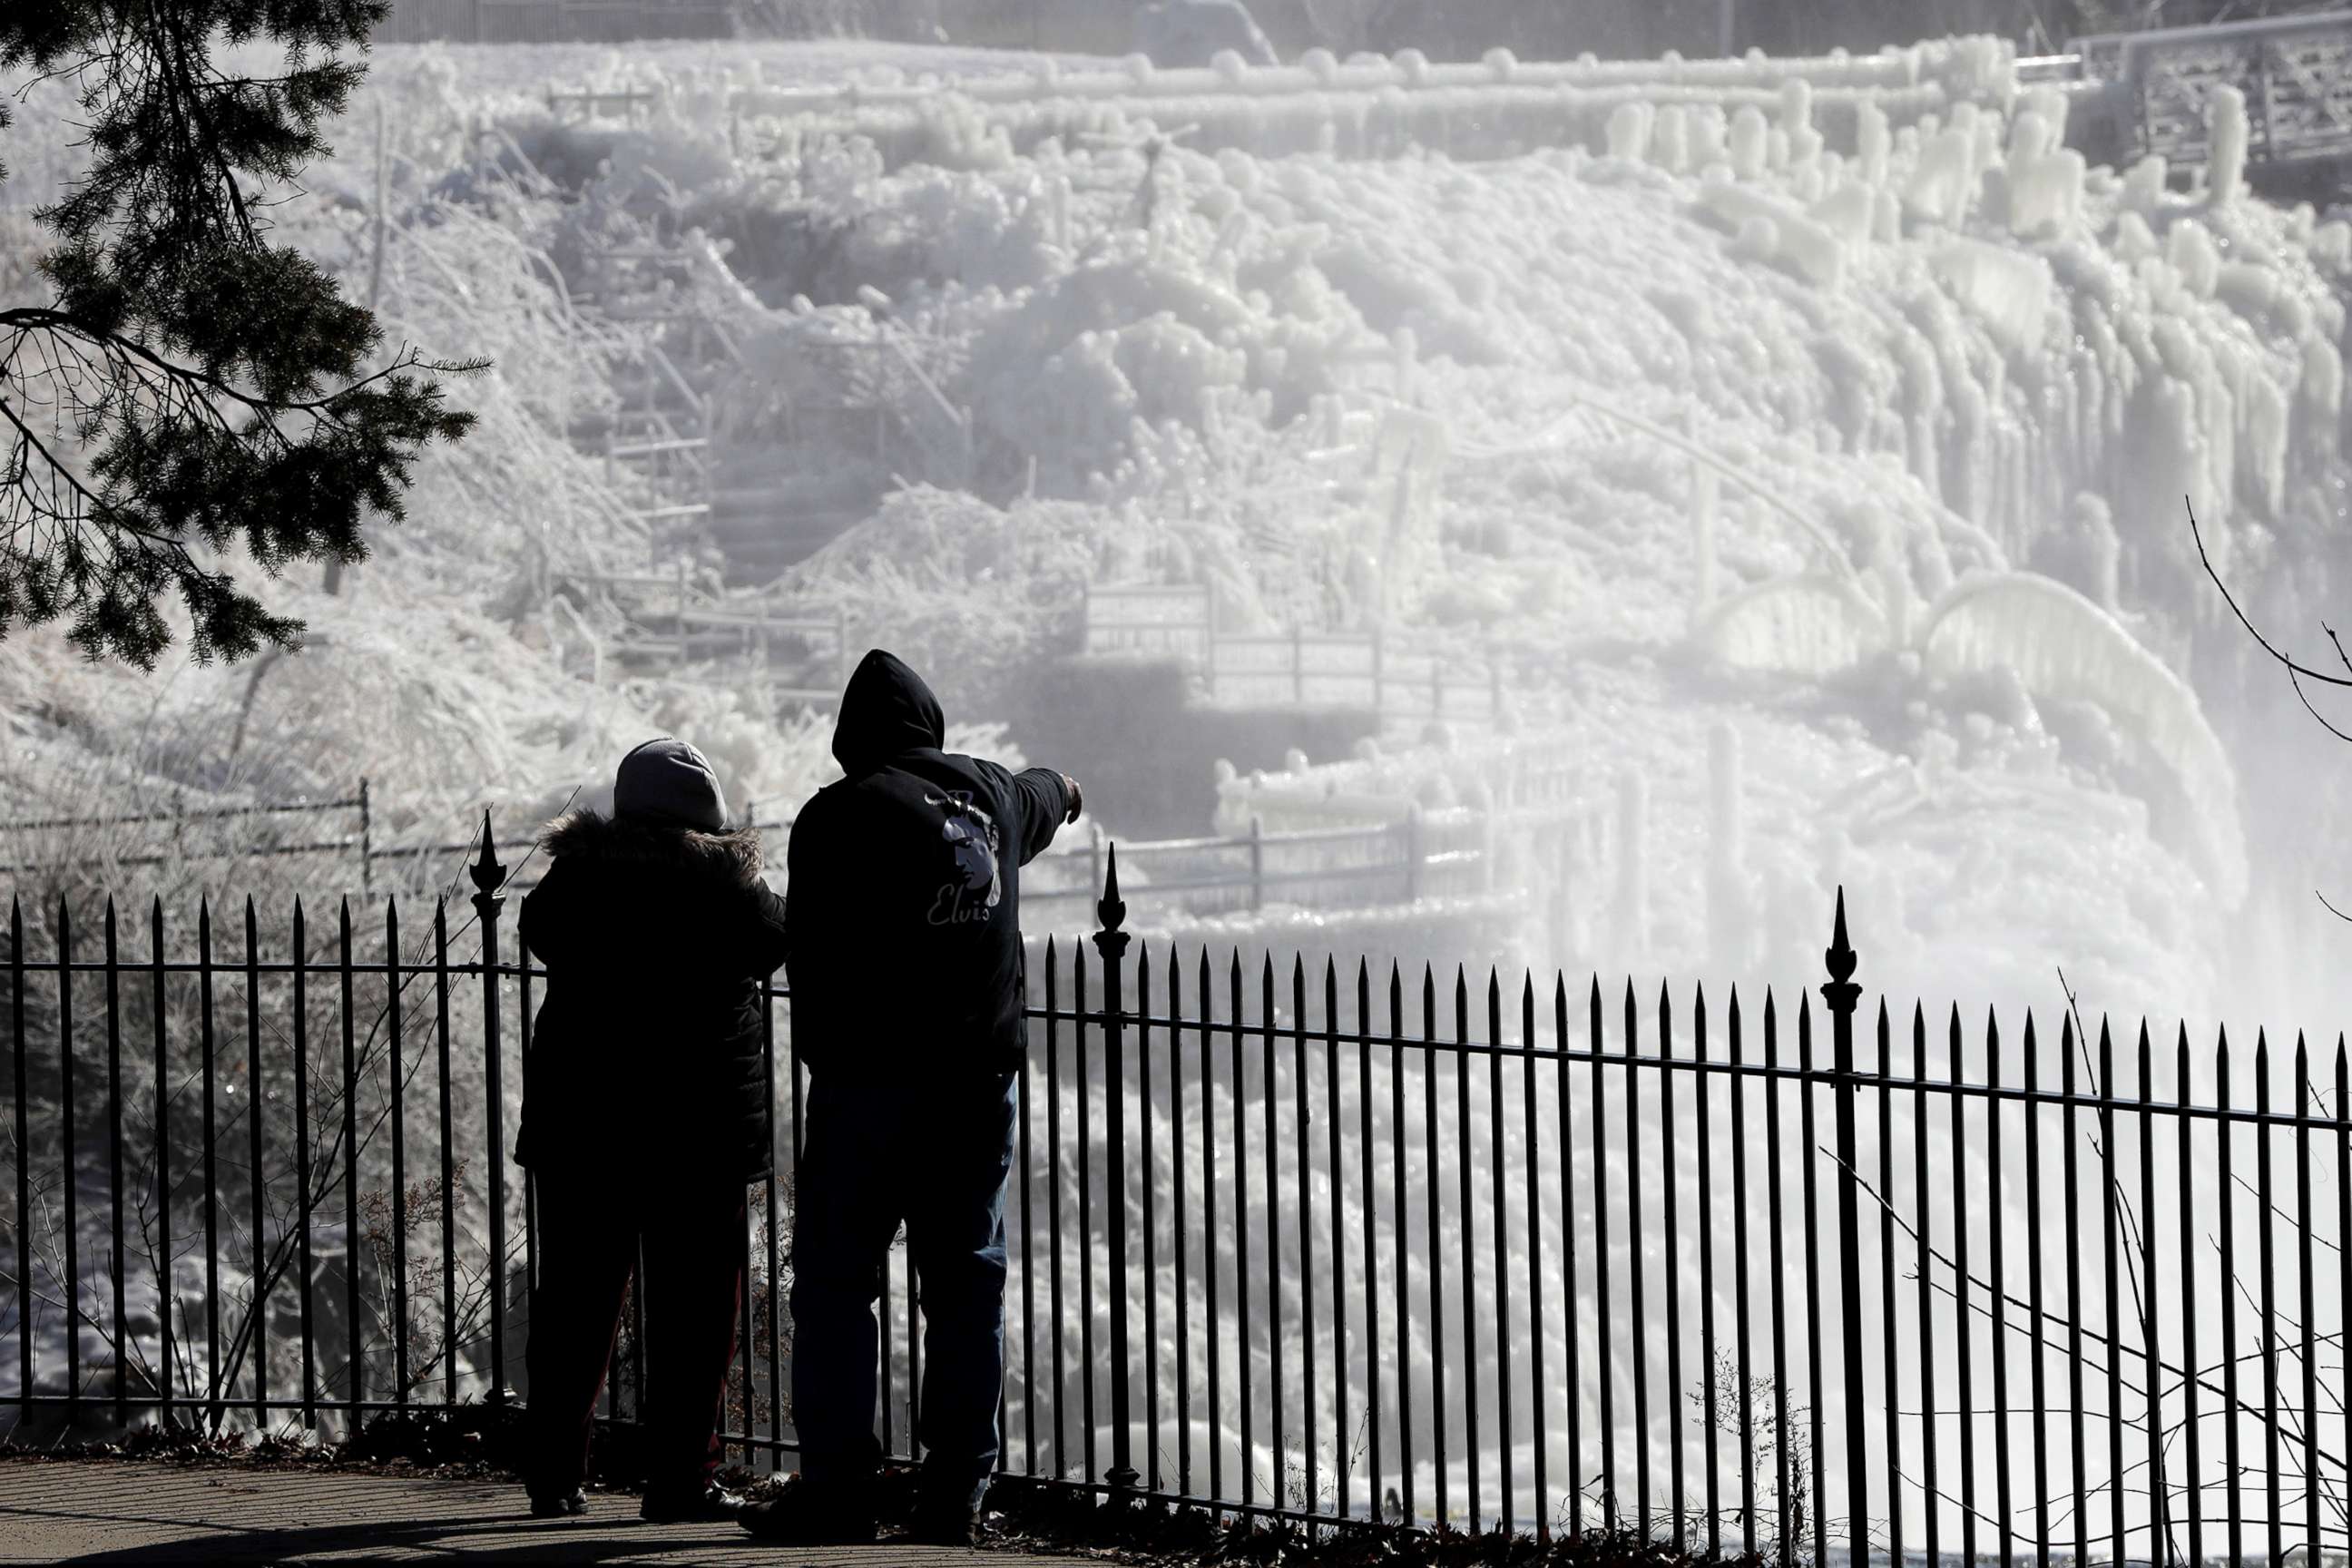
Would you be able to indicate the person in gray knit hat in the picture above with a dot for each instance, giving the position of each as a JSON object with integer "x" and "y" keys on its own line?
{"x": 645, "y": 1115}
{"x": 665, "y": 780}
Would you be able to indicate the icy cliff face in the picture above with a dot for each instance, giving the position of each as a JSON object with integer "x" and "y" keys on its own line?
{"x": 1722, "y": 389}
{"x": 1927, "y": 368}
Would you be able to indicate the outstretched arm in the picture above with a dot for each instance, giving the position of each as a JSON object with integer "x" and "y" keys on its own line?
{"x": 1045, "y": 800}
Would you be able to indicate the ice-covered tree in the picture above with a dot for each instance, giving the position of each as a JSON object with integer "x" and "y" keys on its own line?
{"x": 189, "y": 388}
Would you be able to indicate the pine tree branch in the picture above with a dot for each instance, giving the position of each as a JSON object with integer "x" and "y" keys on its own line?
{"x": 199, "y": 387}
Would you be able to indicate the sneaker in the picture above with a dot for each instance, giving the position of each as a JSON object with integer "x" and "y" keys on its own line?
{"x": 800, "y": 1517}
{"x": 943, "y": 1527}
{"x": 559, "y": 1505}
{"x": 708, "y": 1504}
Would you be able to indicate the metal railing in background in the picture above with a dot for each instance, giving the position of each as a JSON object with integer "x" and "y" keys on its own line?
{"x": 553, "y": 21}
{"x": 2036, "y": 68}
{"x": 71, "y": 836}
{"x": 2291, "y": 69}
{"x": 1296, "y": 669}
{"x": 1418, "y": 852}
{"x": 1511, "y": 1256}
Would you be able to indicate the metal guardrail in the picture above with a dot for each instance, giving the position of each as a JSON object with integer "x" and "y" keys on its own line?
{"x": 1296, "y": 669}
{"x": 552, "y": 21}
{"x": 360, "y": 842}
{"x": 1401, "y": 861}
{"x": 2050, "y": 67}
{"x": 2295, "y": 72}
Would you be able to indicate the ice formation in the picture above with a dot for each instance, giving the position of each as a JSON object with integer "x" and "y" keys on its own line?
{"x": 2063, "y": 647}
{"x": 2227, "y": 125}
{"x": 1808, "y": 625}
{"x": 1320, "y": 349}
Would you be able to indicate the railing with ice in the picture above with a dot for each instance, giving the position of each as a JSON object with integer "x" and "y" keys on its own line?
{"x": 1372, "y": 106}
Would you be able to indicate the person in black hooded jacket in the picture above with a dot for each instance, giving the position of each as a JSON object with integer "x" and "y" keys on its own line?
{"x": 903, "y": 948}
{"x": 645, "y": 1115}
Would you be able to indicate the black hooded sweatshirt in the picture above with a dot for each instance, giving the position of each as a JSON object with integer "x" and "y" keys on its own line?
{"x": 903, "y": 891}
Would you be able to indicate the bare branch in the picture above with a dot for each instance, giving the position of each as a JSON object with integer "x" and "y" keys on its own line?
{"x": 2302, "y": 669}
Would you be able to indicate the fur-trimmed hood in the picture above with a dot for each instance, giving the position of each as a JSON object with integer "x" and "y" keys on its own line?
{"x": 734, "y": 855}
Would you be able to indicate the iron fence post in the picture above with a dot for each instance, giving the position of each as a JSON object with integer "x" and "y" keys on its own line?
{"x": 1110, "y": 941}
{"x": 1841, "y": 994}
{"x": 27, "y": 1316}
{"x": 490, "y": 897}
{"x": 69, "y": 1166}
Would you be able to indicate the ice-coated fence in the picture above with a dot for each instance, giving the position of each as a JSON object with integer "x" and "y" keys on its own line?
{"x": 1310, "y": 1241}
{"x": 551, "y": 21}
{"x": 1382, "y": 852}
{"x": 1295, "y": 668}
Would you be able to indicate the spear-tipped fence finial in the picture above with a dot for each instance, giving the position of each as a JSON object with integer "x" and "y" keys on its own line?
{"x": 1841, "y": 957}
{"x": 1111, "y": 909}
{"x": 489, "y": 876}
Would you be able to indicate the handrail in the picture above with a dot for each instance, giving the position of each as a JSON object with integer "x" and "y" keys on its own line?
{"x": 2132, "y": 45}
{"x": 1257, "y": 878}
{"x": 1369, "y": 79}
{"x": 654, "y": 448}
{"x": 654, "y": 354}
{"x": 2049, "y": 68}
{"x": 214, "y": 813}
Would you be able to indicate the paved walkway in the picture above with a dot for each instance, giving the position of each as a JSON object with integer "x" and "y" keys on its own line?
{"x": 128, "y": 1512}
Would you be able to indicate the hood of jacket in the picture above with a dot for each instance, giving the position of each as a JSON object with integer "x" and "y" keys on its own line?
{"x": 733, "y": 856}
{"x": 886, "y": 711}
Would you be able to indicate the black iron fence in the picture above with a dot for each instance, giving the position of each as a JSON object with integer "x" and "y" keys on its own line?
{"x": 1316, "y": 1243}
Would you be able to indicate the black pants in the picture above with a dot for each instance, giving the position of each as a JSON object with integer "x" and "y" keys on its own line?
{"x": 589, "y": 1234}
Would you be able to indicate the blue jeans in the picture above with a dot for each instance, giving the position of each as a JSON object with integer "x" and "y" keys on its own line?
{"x": 935, "y": 1154}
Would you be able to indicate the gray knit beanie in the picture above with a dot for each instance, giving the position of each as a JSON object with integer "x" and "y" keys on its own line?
{"x": 669, "y": 781}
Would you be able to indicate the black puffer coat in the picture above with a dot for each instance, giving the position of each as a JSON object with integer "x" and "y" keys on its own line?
{"x": 646, "y": 1058}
